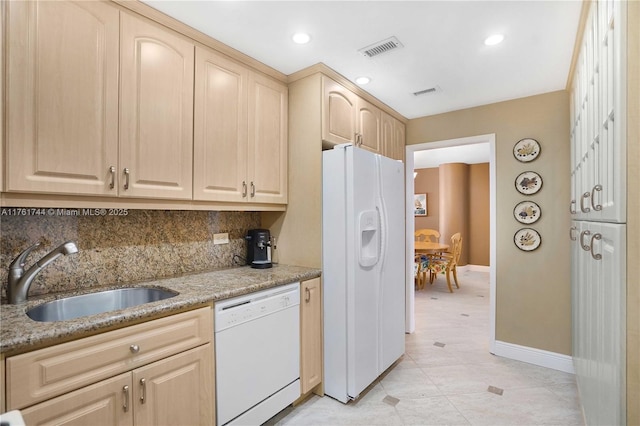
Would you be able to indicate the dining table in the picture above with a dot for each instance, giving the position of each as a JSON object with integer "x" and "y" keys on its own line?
{"x": 429, "y": 247}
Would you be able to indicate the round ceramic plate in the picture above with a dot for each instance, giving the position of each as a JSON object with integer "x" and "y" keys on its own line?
{"x": 528, "y": 183}
{"x": 527, "y": 212}
{"x": 526, "y": 150}
{"x": 527, "y": 239}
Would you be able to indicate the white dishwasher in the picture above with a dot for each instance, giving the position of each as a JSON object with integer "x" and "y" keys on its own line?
{"x": 257, "y": 346}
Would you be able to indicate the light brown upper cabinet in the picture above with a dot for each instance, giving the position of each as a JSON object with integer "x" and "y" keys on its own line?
{"x": 156, "y": 111}
{"x": 62, "y": 97}
{"x": 348, "y": 118}
{"x": 220, "y": 128}
{"x": 240, "y": 135}
{"x": 338, "y": 113}
{"x": 392, "y": 135}
{"x": 267, "y": 140}
{"x": 368, "y": 125}
{"x": 64, "y": 107}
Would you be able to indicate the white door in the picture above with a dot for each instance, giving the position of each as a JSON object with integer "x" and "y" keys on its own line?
{"x": 363, "y": 268}
{"x": 392, "y": 284}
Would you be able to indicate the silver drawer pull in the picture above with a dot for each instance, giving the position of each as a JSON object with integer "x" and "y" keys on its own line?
{"x": 596, "y": 207}
{"x": 572, "y": 207}
{"x": 126, "y": 178}
{"x": 143, "y": 390}
{"x": 585, "y": 196}
{"x": 253, "y": 190}
{"x": 125, "y": 398}
{"x": 244, "y": 189}
{"x": 596, "y": 256}
{"x": 112, "y": 170}
{"x": 308, "y": 295}
{"x": 571, "y": 235}
{"x": 585, "y": 247}
{"x": 134, "y": 349}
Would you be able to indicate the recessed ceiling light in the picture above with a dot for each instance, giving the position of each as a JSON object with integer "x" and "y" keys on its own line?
{"x": 301, "y": 38}
{"x": 363, "y": 80}
{"x": 494, "y": 39}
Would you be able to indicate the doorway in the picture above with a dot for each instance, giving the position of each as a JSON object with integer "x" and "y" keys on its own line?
{"x": 489, "y": 139}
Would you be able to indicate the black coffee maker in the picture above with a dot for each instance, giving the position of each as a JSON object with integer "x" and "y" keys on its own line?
{"x": 259, "y": 248}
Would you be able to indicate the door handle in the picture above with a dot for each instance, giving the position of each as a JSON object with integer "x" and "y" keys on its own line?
{"x": 126, "y": 178}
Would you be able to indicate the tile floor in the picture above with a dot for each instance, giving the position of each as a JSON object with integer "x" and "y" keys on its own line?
{"x": 448, "y": 377}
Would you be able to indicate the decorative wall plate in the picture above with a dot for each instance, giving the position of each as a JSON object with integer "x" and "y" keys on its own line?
{"x": 527, "y": 212}
{"x": 528, "y": 183}
{"x": 526, "y": 150}
{"x": 527, "y": 239}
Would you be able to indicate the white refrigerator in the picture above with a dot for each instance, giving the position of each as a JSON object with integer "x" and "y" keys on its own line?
{"x": 363, "y": 261}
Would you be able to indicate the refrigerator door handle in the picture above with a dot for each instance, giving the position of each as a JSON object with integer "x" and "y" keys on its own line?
{"x": 382, "y": 214}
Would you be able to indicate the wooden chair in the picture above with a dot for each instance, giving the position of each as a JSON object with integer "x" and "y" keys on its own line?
{"x": 445, "y": 263}
{"x": 427, "y": 235}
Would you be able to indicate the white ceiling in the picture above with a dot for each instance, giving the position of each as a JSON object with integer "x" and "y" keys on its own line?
{"x": 443, "y": 44}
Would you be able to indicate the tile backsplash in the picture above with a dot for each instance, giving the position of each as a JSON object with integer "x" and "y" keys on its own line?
{"x": 132, "y": 246}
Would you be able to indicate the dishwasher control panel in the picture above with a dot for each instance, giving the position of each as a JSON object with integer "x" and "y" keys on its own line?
{"x": 241, "y": 309}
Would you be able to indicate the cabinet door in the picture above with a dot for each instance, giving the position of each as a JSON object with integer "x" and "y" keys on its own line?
{"x": 62, "y": 97}
{"x": 156, "y": 111}
{"x": 267, "y": 147}
{"x": 368, "y": 125}
{"x": 392, "y": 134}
{"x": 400, "y": 142}
{"x": 177, "y": 390}
{"x": 311, "y": 335}
{"x": 220, "y": 129}
{"x": 106, "y": 403}
{"x": 387, "y": 133}
{"x": 338, "y": 113}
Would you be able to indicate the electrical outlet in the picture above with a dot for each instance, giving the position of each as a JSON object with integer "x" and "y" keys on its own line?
{"x": 221, "y": 238}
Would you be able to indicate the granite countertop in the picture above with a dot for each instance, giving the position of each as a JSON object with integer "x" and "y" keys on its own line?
{"x": 19, "y": 333}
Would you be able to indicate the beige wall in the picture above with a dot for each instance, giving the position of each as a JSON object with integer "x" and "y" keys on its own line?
{"x": 479, "y": 214}
{"x": 454, "y": 204}
{"x": 533, "y": 299}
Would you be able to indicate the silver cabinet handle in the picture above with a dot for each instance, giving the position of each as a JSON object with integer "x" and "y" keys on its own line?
{"x": 126, "y": 178}
{"x": 307, "y": 295}
{"x": 596, "y": 256}
{"x": 585, "y": 196}
{"x": 244, "y": 189}
{"x": 572, "y": 207}
{"x": 595, "y": 189}
{"x": 253, "y": 190}
{"x": 134, "y": 349}
{"x": 112, "y": 170}
{"x": 143, "y": 390}
{"x": 585, "y": 247}
{"x": 125, "y": 398}
{"x": 571, "y": 235}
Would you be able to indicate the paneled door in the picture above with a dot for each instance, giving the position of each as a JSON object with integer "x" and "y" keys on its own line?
{"x": 368, "y": 125}
{"x": 338, "y": 113}
{"x": 156, "y": 111}
{"x": 220, "y": 132}
{"x": 267, "y": 147}
{"x": 62, "y": 97}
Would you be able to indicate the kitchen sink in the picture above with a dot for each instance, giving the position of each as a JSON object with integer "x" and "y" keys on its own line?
{"x": 96, "y": 303}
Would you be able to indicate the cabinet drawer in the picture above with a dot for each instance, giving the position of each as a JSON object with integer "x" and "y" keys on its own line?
{"x": 45, "y": 373}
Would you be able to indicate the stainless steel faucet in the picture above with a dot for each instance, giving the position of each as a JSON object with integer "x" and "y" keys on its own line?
{"x": 20, "y": 281}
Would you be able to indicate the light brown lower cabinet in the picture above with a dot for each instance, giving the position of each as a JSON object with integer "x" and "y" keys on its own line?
{"x": 311, "y": 335}
{"x": 177, "y": 390}
{"x": 153, "y": 373}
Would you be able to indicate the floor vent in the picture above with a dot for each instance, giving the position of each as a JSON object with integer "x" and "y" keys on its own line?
{"x": 381, "y": 47}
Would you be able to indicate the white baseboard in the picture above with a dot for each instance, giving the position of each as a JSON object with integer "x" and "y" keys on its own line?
{"x": 534, "y": 356}
{"x": 474, "y": 268}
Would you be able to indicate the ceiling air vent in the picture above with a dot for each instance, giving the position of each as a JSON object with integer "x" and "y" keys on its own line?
{"x": 425, "y": 91}
{"x": 381, "y": 47}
